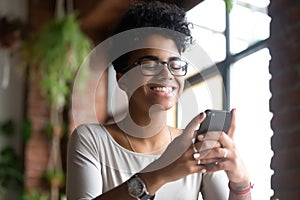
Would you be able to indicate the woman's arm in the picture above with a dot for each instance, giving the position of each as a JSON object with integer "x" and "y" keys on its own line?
{"x": 224, "y": 156}
{"x": 84, "y": 178}
{"x": 152, "y": 180}
{"x": 83, "y": 167}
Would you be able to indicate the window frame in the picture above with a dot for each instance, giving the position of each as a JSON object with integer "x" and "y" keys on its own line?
{"x": 223, "y": 67}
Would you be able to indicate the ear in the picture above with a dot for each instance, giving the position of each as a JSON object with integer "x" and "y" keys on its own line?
{"x": 121, "y": 82}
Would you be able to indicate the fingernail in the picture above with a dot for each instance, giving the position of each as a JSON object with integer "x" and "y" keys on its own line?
{"x": 203, "y": 170}
{"x": 200, "y": 137}
{"x": 196, "y": 155}
{"x": 201, "y": 114}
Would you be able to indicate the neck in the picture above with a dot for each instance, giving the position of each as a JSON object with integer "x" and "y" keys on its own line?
{"x": 146, "y": 131}
{"x": 145, "y": 123}
{"x": 153, "y": 145}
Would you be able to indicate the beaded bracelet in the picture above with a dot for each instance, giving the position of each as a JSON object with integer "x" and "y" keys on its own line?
{"x": 239, "y": 193}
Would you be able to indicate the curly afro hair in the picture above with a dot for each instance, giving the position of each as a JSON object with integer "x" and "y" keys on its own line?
{"x": 158, "y": 15}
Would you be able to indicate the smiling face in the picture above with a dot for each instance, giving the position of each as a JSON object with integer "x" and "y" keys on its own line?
{"x": 164, "y": 88}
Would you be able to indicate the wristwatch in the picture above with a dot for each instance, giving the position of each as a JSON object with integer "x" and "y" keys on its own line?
{"x": 137, "y": 188}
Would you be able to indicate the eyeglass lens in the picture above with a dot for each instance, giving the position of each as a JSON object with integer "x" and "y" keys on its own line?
{"x": 153, "y": 67}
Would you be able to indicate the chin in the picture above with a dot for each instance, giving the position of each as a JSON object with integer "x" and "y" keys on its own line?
{"x": 165, "y": 106}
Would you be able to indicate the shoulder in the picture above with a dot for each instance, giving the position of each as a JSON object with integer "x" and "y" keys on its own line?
{"x": 89, "y": 130}
{"x": 88, "y": 134}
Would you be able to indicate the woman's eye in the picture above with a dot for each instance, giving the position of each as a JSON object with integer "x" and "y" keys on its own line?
{"x": 176, "y": 68}
{"x": 149, "y": 67}
{"x": 149, "y": 64}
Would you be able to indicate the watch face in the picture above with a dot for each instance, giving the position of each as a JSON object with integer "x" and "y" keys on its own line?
{"x": 135, "y": 187}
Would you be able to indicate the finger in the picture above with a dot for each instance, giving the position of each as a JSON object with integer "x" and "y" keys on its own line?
{"x": 232, "y": 123}
{"x": 215, "y": 165}
{"x": 226, "y": 141}
{"x": 193, "y": 125}
{"x": 177, "y": 147}
{"x": 215, "y": 153}
{"x": 209, "y": 142}
{"x": 207, "y": 162}
{"x": 200, "y": 137}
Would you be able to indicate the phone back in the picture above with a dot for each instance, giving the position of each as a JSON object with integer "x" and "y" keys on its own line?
{"x": 216, "y": 120}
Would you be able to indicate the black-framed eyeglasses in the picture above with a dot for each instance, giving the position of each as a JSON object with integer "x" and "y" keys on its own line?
{"x": 152, "y": 66}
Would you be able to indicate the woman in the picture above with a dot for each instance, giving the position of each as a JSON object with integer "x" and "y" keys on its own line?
{"x": 141, "y": 157}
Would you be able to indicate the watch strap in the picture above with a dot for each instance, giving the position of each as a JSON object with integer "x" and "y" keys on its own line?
{"x": 146, "y": 196}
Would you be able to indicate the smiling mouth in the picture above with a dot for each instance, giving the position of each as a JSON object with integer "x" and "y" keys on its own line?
{"x": 162, "y": 89}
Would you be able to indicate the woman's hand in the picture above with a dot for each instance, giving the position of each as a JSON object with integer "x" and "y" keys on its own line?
{"x": 220, "y": 153}
{"x": 178, "y": 159}
{"x": 215, "y": 151}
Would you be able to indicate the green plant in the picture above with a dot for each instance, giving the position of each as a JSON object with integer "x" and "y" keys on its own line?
{"x": 56, "y": 54}
{"x": 228, "y": 4}
{"x": 11, "y": 174}
{"x": 56, "y": 177}
{"x": 7, "y": 128}
{"x": 34, "y": 195}
{"x": 26, "y": 130}
{"x": 11, "y": 170}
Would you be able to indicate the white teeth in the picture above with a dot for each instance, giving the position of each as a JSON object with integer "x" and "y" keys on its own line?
{"x": 163, "y": 89}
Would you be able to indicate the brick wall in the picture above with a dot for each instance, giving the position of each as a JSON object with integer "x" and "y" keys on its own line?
{"x": 284, "y": 46}
{"x": 37, "y": 148}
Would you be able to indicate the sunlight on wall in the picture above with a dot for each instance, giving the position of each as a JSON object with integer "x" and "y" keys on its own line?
{"x": 250, "y": 96}
{"x": 249, "y": 78}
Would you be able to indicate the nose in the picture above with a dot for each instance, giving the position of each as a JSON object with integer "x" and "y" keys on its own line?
{"x": 165, "y": 72}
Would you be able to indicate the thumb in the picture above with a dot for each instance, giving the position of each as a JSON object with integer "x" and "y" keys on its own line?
{"x": 194, "y": 124}
{"x": 178, "y": 146}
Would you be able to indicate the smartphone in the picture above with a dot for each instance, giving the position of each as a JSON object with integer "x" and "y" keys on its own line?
{"x": 216, "y": 120}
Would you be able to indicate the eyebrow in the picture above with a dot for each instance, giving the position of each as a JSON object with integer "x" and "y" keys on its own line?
{"x": 152, "y": 57}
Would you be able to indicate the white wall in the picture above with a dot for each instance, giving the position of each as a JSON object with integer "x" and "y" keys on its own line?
{"x": 11, "y": 98}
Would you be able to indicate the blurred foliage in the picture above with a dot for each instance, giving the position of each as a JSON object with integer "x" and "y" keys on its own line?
{"x": 26, "y": 130}
{"x": 56, "y": 177}
{"x": 48, "y": 130}
{"x": 11, "y": 173}
{"x": 34, "y": 195}
{"x": 11, "y": 168}
{"x": 56, "y": 53}
{"x": 229, "y": 5}
{"x": 7, "y": 128}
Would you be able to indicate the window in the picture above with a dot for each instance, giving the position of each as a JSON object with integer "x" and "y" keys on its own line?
{"x": 236, "y": 77}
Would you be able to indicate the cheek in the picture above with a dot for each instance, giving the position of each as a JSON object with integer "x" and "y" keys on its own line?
{"x": 180, "y": 82}
{"x": 134, "y": 80}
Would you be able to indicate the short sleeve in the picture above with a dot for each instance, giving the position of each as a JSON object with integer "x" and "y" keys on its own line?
{"x": 84, "y": 179}
{"x": 214, "y": 186}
